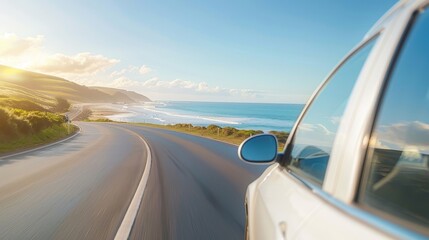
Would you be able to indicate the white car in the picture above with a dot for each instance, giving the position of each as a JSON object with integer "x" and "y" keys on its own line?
{"x": 355, "y": 165}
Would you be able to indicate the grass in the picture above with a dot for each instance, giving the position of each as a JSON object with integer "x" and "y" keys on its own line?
{"x": 16, "y": 92}
{"x": 25, "y": 124}
{"x": 61, "y": 105}
{"x": 224, "y": 134}
{"x": 45, "y": 136}
{"x": 43, "y": 89}
{"x": 99, "y": 120}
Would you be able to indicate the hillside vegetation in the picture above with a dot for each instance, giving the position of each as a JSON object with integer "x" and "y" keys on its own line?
{"x": 121, "y": 95}
{"x": 226, "y": 134}
{"x": 43, "y": 89}
{"x": 32, "y": 106}
{"x": 28, "y": 124}
{"x": 25, "y": 123}
{"x": 18, "y": 122}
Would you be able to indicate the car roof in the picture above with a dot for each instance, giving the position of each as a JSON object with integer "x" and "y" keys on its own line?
{"x": 390, "y": 15}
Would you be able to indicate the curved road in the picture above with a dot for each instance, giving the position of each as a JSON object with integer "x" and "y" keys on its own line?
{"x": 81, "y": 188}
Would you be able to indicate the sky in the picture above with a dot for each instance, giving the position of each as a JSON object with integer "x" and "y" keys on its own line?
{"x": 190, "y": 50}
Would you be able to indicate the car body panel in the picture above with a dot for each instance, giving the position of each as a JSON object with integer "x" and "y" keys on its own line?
{"x": 353, "y": 134}
{"x": 282, "y": 191}
{"x": 283, "y": 206}
{"x": 343, "y": 227}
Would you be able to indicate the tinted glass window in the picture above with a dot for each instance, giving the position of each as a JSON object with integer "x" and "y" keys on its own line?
{"x": 312, "y": 143}
{"x": 396, "y": 177}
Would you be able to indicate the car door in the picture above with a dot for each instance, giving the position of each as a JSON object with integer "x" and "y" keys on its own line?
{"x": 286, "y": 197}
{"x": 390, "y": 199}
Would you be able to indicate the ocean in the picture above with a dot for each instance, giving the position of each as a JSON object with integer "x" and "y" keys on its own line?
{"x": 256, "y": 116}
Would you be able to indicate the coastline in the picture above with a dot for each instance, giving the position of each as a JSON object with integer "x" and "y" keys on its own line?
{"x": 100, "y": 112}
{"x": 258, "y": 116}
{"x": 104, "y": 110}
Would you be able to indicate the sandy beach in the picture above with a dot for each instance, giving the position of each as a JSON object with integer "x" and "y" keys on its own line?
{"x": 95, "y": 111}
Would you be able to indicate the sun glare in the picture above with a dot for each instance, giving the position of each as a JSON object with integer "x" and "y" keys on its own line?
{"x": 11, "y": 74}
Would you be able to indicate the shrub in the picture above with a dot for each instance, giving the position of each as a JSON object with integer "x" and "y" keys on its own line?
{"x": 212, "y": 128}
{"x": 242, "y": 133}
{"x": 22, "y": 125}
{"x": 16, "y": 123}
{"x": 247, "y": 133}
{"x": 7, "y": 129}
{"x": 62, "y": 105}
{"x": 32, "y": 121}
{"x": 183, "y": 125}
{"x": 38, "y": 122}
{"x": 228, "y": 131}
{"x": 281, "y": 136}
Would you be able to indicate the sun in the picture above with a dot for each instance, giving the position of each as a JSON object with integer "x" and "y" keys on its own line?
{"x": 10, "y": 74}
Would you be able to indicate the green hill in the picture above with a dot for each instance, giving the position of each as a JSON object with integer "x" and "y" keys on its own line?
{"x": 32, "y": 106}
{"x": 43, "y": 89}
{"x": 124, "y": 94}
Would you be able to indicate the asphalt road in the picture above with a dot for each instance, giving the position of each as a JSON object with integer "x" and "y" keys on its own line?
{"x": 195, "y": 190}
{"x": 81, "y": 188}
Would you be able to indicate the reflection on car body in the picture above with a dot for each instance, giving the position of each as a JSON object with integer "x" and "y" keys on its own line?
{"x": 311, "y": 160}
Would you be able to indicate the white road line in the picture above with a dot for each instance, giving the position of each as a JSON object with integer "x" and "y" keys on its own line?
{"x": 42, "y": 147}
{"x": 128, "y": 221}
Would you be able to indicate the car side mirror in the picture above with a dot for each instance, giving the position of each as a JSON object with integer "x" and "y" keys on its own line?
{"x": 259, "y": 149}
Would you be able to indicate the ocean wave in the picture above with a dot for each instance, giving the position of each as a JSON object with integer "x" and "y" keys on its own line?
{"x": 212, "y": 119}
{"x": 166, "y": 113}
{"x": 159, "y": 119}
{"x": 155, "y": 104}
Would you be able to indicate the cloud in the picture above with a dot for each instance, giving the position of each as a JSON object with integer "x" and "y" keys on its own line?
{"x": 399, "y": 135}
{"x": 124, "y": 71}
{"x": 315, "y": 134}
{"x": 90, "y": 69}
{"x": 198, "y": 87}
{"x": 316, "y": 129}
{"x": 83, "y": 63}
{"x": 124, "y": 82}
{"x": 131, "y": 71}
{"x": 245, "y": 93}
{"x": 181, "y": 87}
{"x": 119, "y": 72}
{"x": 28, "y": 53}
{"x": 145, "y": 69}
{"x": 177, "y": 83}
{"x": 12, "y": 46}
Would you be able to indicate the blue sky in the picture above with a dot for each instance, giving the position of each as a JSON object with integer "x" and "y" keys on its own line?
{"x": 241, "y": 51}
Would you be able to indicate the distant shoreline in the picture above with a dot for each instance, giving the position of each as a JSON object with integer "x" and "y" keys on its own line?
{"x": 251, "y": 116}
{"x": 228, "y": 134}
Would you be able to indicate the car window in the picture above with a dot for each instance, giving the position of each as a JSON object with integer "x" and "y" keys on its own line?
{"x": 396, "y": 176}
{"x": 311, "y": 145}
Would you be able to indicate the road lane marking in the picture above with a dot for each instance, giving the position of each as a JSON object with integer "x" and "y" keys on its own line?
{"x": 128, "y": 221}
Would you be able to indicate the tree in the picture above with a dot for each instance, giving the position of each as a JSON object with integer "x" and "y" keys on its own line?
{"x": 62, "y": 105}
